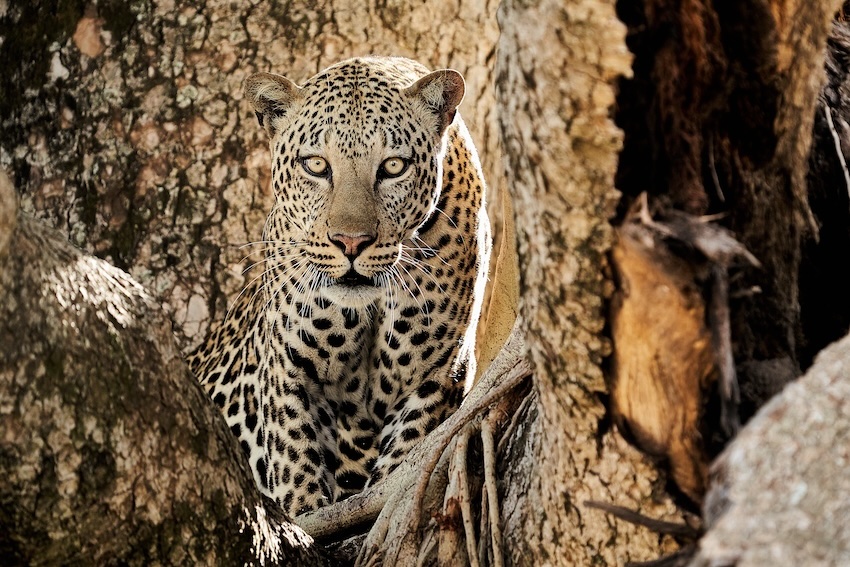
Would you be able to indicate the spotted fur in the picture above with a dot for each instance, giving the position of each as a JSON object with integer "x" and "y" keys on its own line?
{"x": 358, "y": 338}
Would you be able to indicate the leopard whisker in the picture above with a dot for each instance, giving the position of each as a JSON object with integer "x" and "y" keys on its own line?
{"x": 307, "y": 303}
{"x": 274, "y": 209}
{"x": 450, "y": 219}
{"x": 422, "y": 267}
{"x": 297, "y": 276}
{"x": 422, "y": 308}
{"x": 248, "y": 286}
{"x": 427, "y": 250}
{"x": 266, "y": 259}
{"x": 271, "y": 248}
{"x": 397, "y": 276}
{"x": 391, "y": 303}
{"x": 281, "y": 274}
{"x": 278, "y": 242}
{"x": 274, "y": 248}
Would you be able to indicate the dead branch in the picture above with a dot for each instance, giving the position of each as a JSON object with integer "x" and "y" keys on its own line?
{"x": 838, "y": 151}
{"x": 672, "y": 336}
{"x": 490, "y": 497}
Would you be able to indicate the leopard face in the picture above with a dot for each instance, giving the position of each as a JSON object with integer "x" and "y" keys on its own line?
{"x": 352, "y": 189}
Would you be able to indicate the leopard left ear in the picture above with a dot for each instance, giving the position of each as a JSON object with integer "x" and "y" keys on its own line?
{"x": 271, "y": 96}
{"x": 441, "y": 92}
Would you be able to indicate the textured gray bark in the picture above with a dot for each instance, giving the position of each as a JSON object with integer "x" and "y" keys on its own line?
{"x": 555, "y": 95}
{"x": 110, "y": 451}
{"x": 780, "y": 492}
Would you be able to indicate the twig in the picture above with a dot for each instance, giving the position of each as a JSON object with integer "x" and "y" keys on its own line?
{"x": 679, "y": 558}
{"x": 658, "y": 526}
{"x": 721, "y": 335}
{"x": 401, "y": 507}
{"x": 484, "y": 528}
{"x": 513, "y": 379}
{"x": 367, "y": 506}
{"x": 516, "y": 419}
{"x": 837, "y": 140}
{"x": 714, "y": 176}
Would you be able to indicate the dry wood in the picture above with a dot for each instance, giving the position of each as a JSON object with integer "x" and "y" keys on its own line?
{"x": 838, "y": 151}
{"x": 672, "y": 338}
{"x": 490, "y": 499}
{"x": 663, "y": 362}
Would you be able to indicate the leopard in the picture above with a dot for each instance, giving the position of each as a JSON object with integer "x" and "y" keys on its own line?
{"x": 358, "y": 337}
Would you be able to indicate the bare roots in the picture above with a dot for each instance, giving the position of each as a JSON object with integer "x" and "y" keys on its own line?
{"x": 434, "y": 485}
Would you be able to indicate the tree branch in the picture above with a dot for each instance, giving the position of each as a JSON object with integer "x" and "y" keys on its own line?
{"x": 110, "y": 451}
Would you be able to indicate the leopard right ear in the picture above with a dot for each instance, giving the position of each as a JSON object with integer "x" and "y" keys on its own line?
{"x": 441, "y": 93}
{"x": 271, "y": 96}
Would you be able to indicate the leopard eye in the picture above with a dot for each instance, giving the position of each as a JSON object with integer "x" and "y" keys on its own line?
{"x": 393, "y": 167}
{"x": 315, "y": 165}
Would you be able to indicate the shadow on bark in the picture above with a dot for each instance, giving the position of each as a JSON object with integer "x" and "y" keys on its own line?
{"x": 109, "y": 450}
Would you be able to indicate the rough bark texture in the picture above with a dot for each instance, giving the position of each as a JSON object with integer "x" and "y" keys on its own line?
{"x": 780, "y": 491}
{"x": 769, "y": 201}
{"x": 109, "y": 450}
{"x": 555, "y": 96}
{"x": 124, "y": 126}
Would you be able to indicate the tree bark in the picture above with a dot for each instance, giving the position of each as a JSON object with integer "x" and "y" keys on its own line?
{"x": 124, "y": 126}
{"x": 555, "y": 94}
{"x": 779, "y": 491}
{"x": 824, "y": 303}
{"x": 110, "y": 451}
{"x": 718, "y": 120}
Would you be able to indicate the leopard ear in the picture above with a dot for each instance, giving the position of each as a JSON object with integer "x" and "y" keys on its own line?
{"x": 271, "y": 96}
{"x": 441, "y": 92}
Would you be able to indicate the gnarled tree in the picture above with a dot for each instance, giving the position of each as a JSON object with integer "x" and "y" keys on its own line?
{"x": 123, "y": 125}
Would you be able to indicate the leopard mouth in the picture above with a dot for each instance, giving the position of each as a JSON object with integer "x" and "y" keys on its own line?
{"x": 352, "y": 278}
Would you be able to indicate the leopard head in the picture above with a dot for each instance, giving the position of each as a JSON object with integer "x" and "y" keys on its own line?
{"x": 356, "y": 156}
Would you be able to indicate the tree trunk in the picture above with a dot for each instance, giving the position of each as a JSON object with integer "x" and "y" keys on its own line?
{"x": 779, "y": 494}
{"x": 110, "y": 451}
{"x": 555, "y": 94}
{"x": 824, "y": 302}
{"x": 725, "y": 96}
{"x": 123, "y": 125}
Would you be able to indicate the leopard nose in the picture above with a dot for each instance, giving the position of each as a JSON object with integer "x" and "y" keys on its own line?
{"x": 351, "y": 244}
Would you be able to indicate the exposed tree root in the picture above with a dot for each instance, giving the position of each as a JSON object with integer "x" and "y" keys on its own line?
{"x": 490, "y": 498}
{"x": 398, "y": 504}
